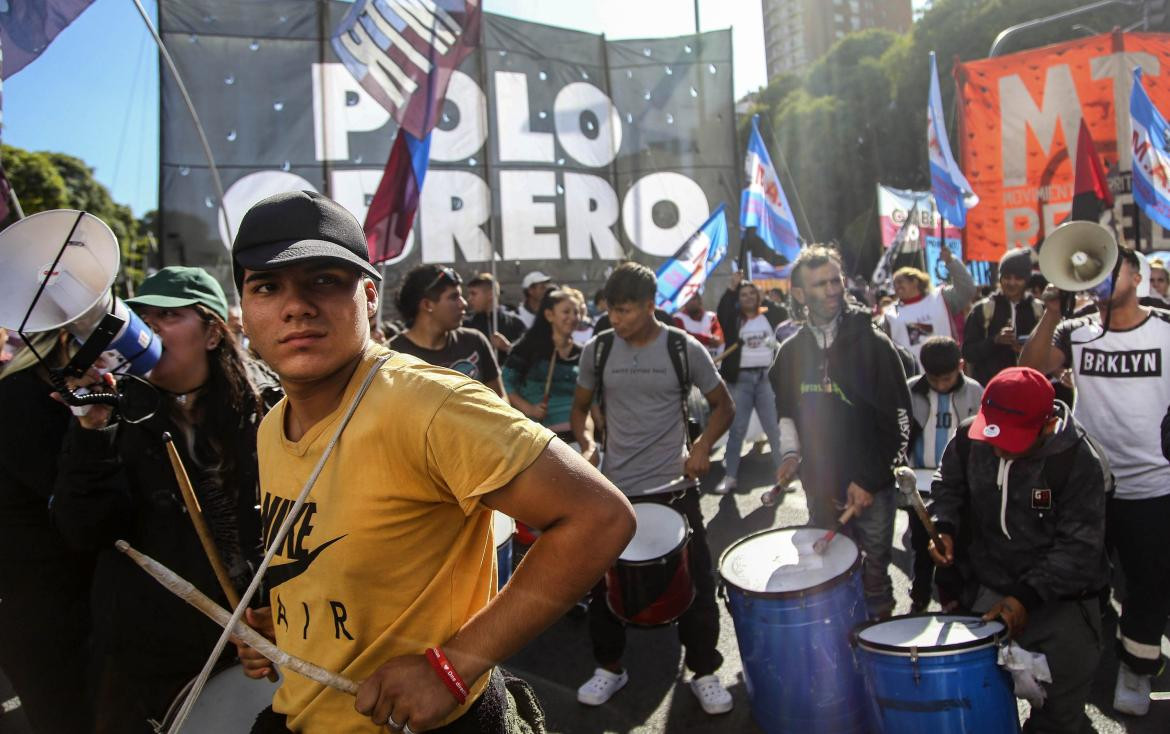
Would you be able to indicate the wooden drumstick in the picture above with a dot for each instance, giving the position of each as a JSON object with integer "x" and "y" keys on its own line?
{"x": 908, "y": 485}
{"x": 201, "y": 529}
{"x": 552, "y": 365}
{"x": 822, "y": 545}
{"x": 186, "y": 591}
{"x": 726, "y": 352}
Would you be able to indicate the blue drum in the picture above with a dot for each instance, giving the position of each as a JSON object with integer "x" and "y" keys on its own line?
{"x": 794, "y": 611}
{"x": 503, "y": 527}
{"x": 937, "y": 673}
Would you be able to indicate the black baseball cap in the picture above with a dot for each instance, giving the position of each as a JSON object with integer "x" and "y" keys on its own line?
{"x": 295, "y": 226}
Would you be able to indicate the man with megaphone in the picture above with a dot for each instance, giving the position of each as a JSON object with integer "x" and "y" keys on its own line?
{"x": 1119, "y": 357}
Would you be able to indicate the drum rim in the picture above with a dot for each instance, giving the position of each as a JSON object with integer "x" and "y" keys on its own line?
{"x": 659, "y": 560}
{"x": 882, "y": 648}
{"x": 837, "y": 580}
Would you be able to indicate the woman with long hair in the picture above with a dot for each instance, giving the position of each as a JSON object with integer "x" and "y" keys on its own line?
{"x": 541, "y": 371}
{"x": 44, "y": 584}
{"x": 752, "y": 331}
{"x": 115, "y": 481}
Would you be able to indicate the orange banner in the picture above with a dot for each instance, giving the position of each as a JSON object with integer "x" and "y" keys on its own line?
{"x": 1019, "y": 117}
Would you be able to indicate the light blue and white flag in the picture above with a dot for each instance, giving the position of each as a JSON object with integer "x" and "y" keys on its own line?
{"x": 763, "y": 204}
{"x": 1151, "y": 154}
{"x": 683, "y": 275}
{"x": 952, "y": 194}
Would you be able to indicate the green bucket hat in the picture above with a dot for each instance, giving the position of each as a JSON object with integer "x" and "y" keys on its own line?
{"x": 177, "y": 286}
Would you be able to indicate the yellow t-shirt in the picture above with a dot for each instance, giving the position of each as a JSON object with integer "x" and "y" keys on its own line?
{"x": 393, "y": 552}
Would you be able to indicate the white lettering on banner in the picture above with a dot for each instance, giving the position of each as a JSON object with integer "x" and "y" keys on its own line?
{"x": 453, "y": 208}
{"x": 1119, "y": 68}
{"x": 456, "y": 204}
{"x": 350, "y": 109}
{"x": 591, "y": 210}
{"x": 471, "y": 130}
{"x": 1019, "y": 113}
{"x": 516, "y": 141}
{"x": 521, "y": 215}
{"x": 572, "y": 105}
{"x": 688, "y": 199}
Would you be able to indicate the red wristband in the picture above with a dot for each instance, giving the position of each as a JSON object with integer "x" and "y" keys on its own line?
{"x": 447, "y": 674}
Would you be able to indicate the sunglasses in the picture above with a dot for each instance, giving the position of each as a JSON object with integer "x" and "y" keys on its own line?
{"x": 449, "y": 274}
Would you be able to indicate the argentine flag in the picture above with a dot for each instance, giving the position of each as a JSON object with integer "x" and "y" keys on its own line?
{"x": 683, "y": 275}
{"x": 952, "y": 194}
{"x": 763, "y": 204}
{"x": 1151, "y": 154}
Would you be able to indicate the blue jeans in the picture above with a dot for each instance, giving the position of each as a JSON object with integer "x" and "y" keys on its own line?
{"x": 752, "y": 389}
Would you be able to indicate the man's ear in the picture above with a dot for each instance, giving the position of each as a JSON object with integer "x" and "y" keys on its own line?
{"x": 371, "y": 298}
{"x": 798, "y": 293}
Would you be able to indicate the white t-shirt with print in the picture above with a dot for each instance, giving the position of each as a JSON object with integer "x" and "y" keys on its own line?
{"x": 1123, "y": 389}
{"x": 758, "y": 343}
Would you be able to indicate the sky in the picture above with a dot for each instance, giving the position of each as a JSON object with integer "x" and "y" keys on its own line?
{"x": 94, "y": 92}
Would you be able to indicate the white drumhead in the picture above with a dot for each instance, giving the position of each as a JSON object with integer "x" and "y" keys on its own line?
{"x": 924, "y": 477}
{"x": 784, "y": 560}
{"x": 229, "y": 703}
{"x": 927, "y": 631}
{"x": 503, "y": 527}
{"x": 660, "y": 530}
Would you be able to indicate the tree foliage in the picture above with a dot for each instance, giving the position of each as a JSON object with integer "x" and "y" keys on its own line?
{"x": 857, "y": 116}
{"x": 45, "y": 180}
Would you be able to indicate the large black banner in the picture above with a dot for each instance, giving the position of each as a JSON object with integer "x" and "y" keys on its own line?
{"x": 564, "y": 151}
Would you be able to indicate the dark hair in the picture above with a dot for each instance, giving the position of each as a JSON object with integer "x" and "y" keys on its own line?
{"x": 425, "y": 281}
{"x": 484, "y": 280}
{"x": 940, "y": 355}
{"x": 813, "y": 256}
{"x": 630, "y": 283}
{"x": 537, "y": 342}
{"x": 1127, "y": 254}
{"x": 229, "y": 408}
{"x": 1037, "y": 281}
{"x": 599, "y": 296}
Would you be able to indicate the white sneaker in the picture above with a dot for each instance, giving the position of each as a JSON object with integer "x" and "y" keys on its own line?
{"x": 1132, "y": 694}
{"x": 598, "y": 689}
{"x": 713, "y": 697}
{"x": 726, "y": 484}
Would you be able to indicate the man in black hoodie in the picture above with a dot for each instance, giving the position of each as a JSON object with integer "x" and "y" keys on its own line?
{"x": 1030, "y": 485}
{"x": 843, "y": 405}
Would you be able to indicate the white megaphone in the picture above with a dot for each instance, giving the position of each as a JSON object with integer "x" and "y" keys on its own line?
{"x": 56, "y": 269}
{"x": 1078, "y": 256}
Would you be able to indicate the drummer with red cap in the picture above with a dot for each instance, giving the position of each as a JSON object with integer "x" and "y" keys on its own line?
{"x": 1023, "y": 484}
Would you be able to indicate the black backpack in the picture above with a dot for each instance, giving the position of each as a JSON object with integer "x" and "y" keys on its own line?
{"x": 676, "y": 348}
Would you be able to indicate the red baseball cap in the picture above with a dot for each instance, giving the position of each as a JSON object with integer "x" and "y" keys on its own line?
{"x": 1015, "y": 406}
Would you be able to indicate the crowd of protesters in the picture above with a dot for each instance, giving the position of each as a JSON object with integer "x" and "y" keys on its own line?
{"x": 1047, "y": 437}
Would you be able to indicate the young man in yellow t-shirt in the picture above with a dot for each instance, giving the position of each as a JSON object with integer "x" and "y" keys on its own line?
{"x": 388, "y": 576}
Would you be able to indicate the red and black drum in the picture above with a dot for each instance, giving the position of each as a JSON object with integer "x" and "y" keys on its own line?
{"x": 651, "y": 584}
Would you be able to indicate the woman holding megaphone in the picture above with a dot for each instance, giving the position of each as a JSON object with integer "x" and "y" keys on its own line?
{"x": 115, "y": 481}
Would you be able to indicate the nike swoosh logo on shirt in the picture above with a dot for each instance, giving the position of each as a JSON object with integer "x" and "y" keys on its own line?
{"x": 277, "y": 575}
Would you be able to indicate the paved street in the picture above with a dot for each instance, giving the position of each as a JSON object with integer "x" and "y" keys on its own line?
{"x": 658, "y": 700}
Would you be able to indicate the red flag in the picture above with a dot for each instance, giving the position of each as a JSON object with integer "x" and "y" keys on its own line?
{"x": 392, "y": 210}
{"x": 1091, "y": 194}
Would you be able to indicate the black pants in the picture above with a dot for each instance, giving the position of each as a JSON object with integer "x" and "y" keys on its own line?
{"x": 698, "y": 628}
{"x": 1137, "y": 529}
{"x": 922, "y": 587}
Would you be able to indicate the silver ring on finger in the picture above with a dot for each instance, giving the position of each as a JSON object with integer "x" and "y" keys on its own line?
{"x": 407, "y": 730}
{"x": 390, "y": 722}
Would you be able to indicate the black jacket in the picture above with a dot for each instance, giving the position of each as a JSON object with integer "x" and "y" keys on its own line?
{"x": 986, "y": 358}
{"x": 1046, "y": 540}
{"x": 850, "y": 404}
{"x": 117, "y": 483}
{"x": 508, "y": 324}
{"x": 728, "y": 314}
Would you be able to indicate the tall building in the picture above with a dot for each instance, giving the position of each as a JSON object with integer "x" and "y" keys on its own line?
{"x": 798, "y": 32}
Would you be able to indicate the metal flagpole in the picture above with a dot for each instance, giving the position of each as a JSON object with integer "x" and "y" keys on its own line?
{"x": 215, "y": 180}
